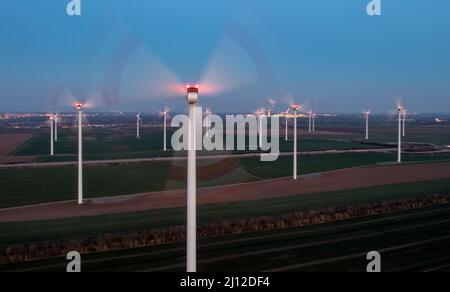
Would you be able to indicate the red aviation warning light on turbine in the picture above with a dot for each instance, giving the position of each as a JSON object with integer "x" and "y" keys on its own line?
{"x": 296, "y": 107}
{"x": 192, "y": 91}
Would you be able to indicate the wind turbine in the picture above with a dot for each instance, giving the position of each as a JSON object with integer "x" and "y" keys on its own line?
{"x": 367, "y": 114}
{"x": 404, "y": 123}
{"x": 286, "y": 124}
{"x": 310, "y": 114}
{"x": 165, "y": 113}
{"x": 138, "y": 126}
{"x": 52, "y": 139}
{"x": 259, "y": 115}
{"x": 191, "y": 230}
{"x": 314, "y": 115}
{"x": 56, "y": 119}
{"x": 272, "y": 105}
{"x": 400, "y": 110}
{"x": 79, "y": 108}
{"x": 215, "y": 81}
{"x": 208, "y": 113}
{"x": 295, "y": 108}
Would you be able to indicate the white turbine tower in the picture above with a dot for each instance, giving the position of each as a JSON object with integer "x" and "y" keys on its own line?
{"x": 367, "y": 114}
{"x": 52, "y": 139}
{"x": 138, "y": 126}
{"x": 310, "y": 114}
{"x": 56, "y": 119}
{"x": 165, "y": 113}
{"x": 295, "y": 108}
{"x": 286, "y": 125}
{"x": 404, "y": 123}
{"x": 400, "y": 110}
{"x": 260, "y": 114}
{"x": 208, "y": 113}
{"x": 314, "y": 115}
{"x": 191, "y": 230}
{"x": 79, "y": 108}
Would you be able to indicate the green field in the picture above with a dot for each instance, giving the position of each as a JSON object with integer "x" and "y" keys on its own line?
{"x": 339, "y": 246}
{"x": 317, "y": 163}
{"x": 97, "y": 144}
{"x": 24, "y": 186}
{"x": 121, "y": 143}
{"x": 409, "y": 240}
{"x": 100, "y": 144}
{"x": 433, "y": 135}
{"x": 72, "y": 228}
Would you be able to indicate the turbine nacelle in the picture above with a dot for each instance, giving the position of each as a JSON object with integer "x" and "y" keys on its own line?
{"x": 296, "y": 107}
{"x": 79, "y": 106}
{"x": 261, "y": 112}
{"x": 192, "y": 93}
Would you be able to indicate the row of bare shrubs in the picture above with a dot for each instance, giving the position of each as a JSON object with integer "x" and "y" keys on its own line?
{"x": 113, "y": 242}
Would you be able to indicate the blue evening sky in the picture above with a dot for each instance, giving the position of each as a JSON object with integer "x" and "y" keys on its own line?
{"x": 328, "y": 54}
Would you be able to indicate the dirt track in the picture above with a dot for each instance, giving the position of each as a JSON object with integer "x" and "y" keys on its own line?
{"x": 9, "y": 142}
{"x": 329, "y": 181}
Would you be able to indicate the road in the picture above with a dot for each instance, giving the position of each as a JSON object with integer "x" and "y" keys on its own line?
{"x": 182, "y": 158}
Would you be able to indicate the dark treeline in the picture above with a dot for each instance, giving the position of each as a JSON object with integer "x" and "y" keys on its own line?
{"x": 114, "y": 242}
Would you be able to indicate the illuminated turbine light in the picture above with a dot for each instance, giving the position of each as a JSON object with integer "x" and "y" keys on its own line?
{"x": 192, "y": 92}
